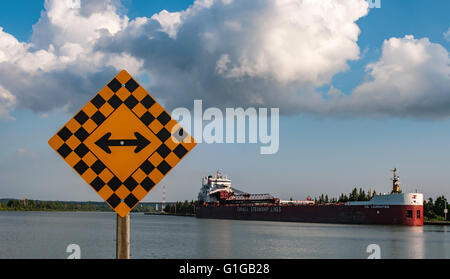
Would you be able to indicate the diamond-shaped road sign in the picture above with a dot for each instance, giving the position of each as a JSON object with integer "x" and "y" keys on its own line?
{"x": 122, "y": 143}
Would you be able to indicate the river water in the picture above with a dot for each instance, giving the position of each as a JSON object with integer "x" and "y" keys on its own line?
{"x": 47, "y": 235}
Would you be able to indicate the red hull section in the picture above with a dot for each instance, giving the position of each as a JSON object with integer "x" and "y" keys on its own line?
{"x": 408, "y": 215}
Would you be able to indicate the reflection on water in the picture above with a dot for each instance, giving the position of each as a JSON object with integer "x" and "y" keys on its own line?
{"x": 218, "y": 243}
{"x": 406, "y": 242}
{"x": 46, "y": 235}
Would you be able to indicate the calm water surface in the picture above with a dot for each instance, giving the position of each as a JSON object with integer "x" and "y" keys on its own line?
{"x": 46, "y": 235}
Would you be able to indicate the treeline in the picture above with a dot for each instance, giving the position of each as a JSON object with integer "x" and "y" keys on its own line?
{"x": 145, "y": 209}
{"x": 434, "y": 210}
{"x": 181, "y": 208}
{"x": 33, "y": 205}
{"x": 354, "y": 195}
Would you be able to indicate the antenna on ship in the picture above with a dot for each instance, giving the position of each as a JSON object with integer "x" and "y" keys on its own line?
{"x": 395, "y": 182}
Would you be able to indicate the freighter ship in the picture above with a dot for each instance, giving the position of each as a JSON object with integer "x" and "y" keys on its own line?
{"x": 218, "y": 200}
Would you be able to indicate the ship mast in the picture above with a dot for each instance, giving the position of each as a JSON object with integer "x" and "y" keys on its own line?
{"x": 395, "y": 182}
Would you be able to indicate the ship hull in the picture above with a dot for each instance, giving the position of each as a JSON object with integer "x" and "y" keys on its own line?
{"x": 408, "y": 215}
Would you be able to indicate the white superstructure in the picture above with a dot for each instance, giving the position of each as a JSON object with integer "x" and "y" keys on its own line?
{"x": 212, "y": 185}
{"x": 393, "y": 199}
{"x": 396, "y": 197}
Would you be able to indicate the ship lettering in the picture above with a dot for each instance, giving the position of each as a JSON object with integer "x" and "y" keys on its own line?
{"x": 380, "y": 206}
{"x": 242, "y": 209}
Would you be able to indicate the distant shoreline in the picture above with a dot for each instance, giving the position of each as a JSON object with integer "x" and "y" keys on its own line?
{"x": 425, "y": 222}
{"x": 69, "y": 206}
{"x": 184, "y": 209}
{"x": 169, "y": 214}
{"x": 436, "y": 222}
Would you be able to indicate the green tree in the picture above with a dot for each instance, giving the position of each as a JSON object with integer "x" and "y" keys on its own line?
{"x": 362, "y": 195}
{"x": 428, "y": 209}
{"x": 439, "y": 206}
{"x": 434, "y": 210}
{"x": 354, "y": 195}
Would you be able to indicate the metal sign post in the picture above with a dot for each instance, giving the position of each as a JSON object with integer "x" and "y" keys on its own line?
{"x": 123, "y": 237}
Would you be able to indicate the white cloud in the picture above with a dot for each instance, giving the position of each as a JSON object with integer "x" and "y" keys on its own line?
{"x": 82, "y": 23}
{"x": 412, "y": 78}
{"x": 222, "y": 63}
{"x": 62, "y": 35}
{"x": 10, "y": 48}
{"x": 7, "y": 100}
{"x": 60, "y": 65}
{"x": 233, "y": 25}
{"x": 303, "y": 41}
{"x": 26, "y": 153}
{"x": 239, "y": 53}
{"x": 169, "y": 22}
{"x": 245, "y": 52}
{"x": 447, "y": 35}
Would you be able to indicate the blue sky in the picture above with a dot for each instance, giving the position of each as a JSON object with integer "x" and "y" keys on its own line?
{"x": 319, "y": 153}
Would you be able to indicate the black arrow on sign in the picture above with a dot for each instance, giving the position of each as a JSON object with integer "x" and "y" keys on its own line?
{"x": 105, "y": 143}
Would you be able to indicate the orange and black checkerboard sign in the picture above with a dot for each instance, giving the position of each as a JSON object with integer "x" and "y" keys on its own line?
{"x": 122, "y": 143}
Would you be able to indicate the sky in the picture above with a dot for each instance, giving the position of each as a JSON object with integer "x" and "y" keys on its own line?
{"x": 360, "y": 90}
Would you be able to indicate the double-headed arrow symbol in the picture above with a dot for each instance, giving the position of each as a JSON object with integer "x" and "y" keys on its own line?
{"x": 105, "y": 143}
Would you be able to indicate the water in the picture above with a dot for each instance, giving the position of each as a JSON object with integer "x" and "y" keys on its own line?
{"x": 47, "y": 235}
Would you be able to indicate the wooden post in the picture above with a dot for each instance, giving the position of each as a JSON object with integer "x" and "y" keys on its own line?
{"x": 123, "y": 237}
